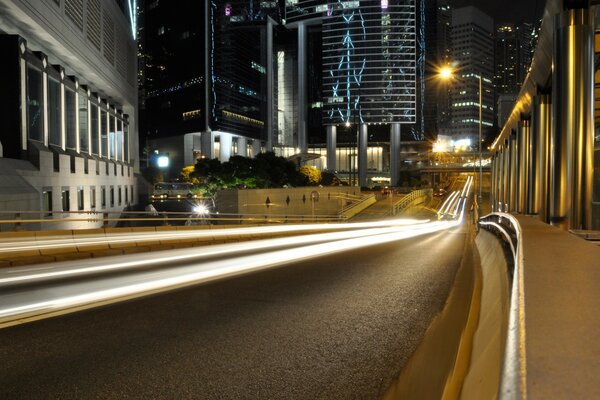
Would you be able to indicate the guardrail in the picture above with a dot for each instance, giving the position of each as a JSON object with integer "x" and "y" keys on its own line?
{"x": 352, "y": 209}
{"x": 513, "y": 379}
{"x": 18, "y": 220}
{"x": 413, "y": 198}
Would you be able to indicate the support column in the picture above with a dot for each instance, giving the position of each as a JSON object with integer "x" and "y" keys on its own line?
{"x": 506, "y": 176}
{"x": 363, "y": 135}
{"x": 395, "y": 137}
{"x": 225, "y": 144}
{"x": 493, "y": 177}
{"x": 242, "y": 144}
{"x": 331, "y": 147}
{"x": 207, "y": 144}
{"x": 514, "y": 174}
{"x": 255, "y": 148}
{"x": 302, "y": 109}
{"x": 573, "y": 122}
{"x": 542, "y": 130}
{"x": 270, "y": 71}
{"x": 524, "y": 157}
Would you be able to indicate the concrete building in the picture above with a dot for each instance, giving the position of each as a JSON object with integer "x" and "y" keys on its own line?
{"x": 473, "y": 53}
{"x": 68, "y": 104}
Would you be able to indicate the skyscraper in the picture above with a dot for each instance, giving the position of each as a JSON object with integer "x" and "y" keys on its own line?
{"x": 436, "y": 104}
{"x": 209, "y": 78}
{"x": 473, "y": 54}
{"x": 513, "y": 53}
{"x": 68, "y": 108}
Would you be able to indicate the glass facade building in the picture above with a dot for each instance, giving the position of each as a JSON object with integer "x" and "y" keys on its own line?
{"x": 370, "y": 62}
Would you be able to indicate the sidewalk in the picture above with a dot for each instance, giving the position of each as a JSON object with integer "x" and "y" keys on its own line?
{"x": 562, "y": 313}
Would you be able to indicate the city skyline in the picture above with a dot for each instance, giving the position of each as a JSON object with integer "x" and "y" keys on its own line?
{"x": 507, "y": 11}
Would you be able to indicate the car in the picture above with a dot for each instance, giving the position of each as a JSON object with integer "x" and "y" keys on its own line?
{"x": 439, "y": 192}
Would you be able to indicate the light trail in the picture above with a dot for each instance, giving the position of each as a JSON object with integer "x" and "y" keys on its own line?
{"x": 113, "y": 279}
{"x": 29, "y": 305}
{"x": 79, "y": 268}
{"x": 138, "y": 237}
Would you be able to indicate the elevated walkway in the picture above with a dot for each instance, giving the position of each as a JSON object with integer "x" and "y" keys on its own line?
{"x": 562, "y": 312}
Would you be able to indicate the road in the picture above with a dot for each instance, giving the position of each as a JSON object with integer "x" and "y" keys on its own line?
{"x": 336, "y": 327}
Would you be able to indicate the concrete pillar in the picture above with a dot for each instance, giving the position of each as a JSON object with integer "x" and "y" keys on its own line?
{"x": 207, "y": 140}
{"x": 573, "y": 120}
{"x": 363, "y": 136}
{"x": 542, "y": 131}
{"x": 395, "y": 137}
{"x": 255, "y": 147}
{"x": 270, "y": 93}
{"x": 331, "y": 147}
{"x": 225, "y": 145}
{"x": 302, "y": 85}
{"x": 242, "y": 144}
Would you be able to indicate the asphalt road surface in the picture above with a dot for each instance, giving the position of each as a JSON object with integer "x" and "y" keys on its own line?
{"x": 339, "y": 327}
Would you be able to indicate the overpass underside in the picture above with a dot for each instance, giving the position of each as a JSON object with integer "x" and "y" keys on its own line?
{"x": 546, "y": 154}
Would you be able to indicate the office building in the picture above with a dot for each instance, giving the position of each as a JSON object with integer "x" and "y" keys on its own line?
{"x": 473, "y": 55}
{"x": 209, "y": 79}
{"x": 436, "y": 99}
{"x": 68, "y": 108}
{"x": 513, "y": 53}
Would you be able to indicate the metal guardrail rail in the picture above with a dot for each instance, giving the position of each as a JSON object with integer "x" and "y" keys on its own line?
{"x": 413, "y": 198}
{"x": 513, "y": 379}
{"x": 358, "y": 204}
{"x": 20, "y": 219}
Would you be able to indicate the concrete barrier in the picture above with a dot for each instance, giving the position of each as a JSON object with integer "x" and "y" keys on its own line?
{"x": 437, "y": 368}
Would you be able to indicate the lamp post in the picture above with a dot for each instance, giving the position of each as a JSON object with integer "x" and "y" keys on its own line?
{"x": 446, "y": 73}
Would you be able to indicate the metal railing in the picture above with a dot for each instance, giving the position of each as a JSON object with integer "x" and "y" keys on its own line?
{"x": 362, "y": 202}
{"x": 21, "y": 220}
{"x": 413, "y": 198}
{"x": 513, "y": 379}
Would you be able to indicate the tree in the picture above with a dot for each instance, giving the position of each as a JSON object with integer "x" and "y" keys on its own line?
{"x": 310, "y": 175}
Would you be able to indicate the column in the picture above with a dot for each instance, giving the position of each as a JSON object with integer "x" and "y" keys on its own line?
{"x": 207, "y": 144}
{"x": 514, "y": 175}
{"x": 270, "y": 71}
{"x": 363, "y": 135}
{"x": 302, "y": 141}
{"x": 331, "y": 148}
{"x": 255, "y": 147}
{"x": 573, "y": 122}
{"x": 226, "y": 142}
{"x": 506, "y": 176}
{"x": 493, "y": 177}
{"x": 242, "y": 144}
{"x": 524, "y": 157}
{"x": 542, "y": 130}
{"x": 395, "y": 137}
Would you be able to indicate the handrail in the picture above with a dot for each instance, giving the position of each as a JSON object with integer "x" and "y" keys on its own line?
{"x": 163, "y": 217}
{"x": 410, "y": 198}
{"x": 513, "y": 380}
{"x": 363, "y": 199}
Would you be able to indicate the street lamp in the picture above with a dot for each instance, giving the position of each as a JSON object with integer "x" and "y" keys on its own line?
{"x": 446, "y": 73}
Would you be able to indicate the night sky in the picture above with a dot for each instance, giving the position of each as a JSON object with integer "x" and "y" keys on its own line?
{"x": 507, "y": 10}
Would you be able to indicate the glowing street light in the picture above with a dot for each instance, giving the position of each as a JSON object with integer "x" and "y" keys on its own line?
{"x": 446, "y": 73}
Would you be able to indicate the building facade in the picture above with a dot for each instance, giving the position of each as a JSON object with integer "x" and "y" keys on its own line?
{"x": 512, "y": 59}
{"x": 69, "y": 100}
{"x": 283, "y": 76}
{"x": 473, "y": 55}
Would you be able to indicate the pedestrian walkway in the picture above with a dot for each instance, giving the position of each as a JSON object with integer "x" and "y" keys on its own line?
{"x": 562, "y": 312}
